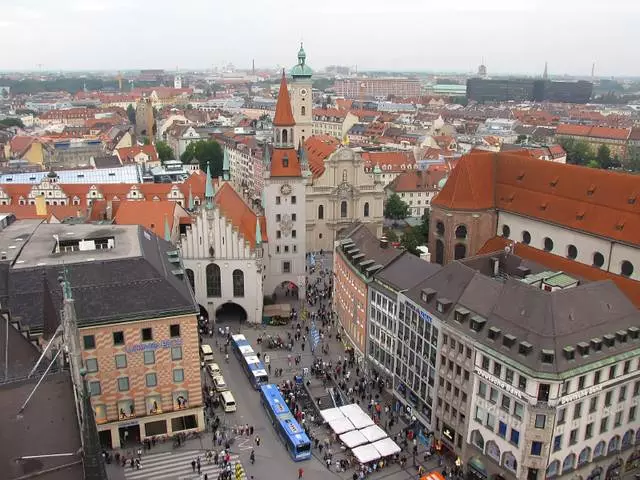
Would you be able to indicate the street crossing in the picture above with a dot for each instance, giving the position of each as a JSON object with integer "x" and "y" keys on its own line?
{"x": 176, "y": 465}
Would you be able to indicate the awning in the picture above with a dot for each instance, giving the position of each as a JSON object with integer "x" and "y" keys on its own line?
{"x": 331, "y": 414}
{"x": 341, "y": 425}
{"x": 386, "y": 447}
{"x": 366, "y": 453}
{"x": 353, "y": 438}
{"x": 352, "y": 410}
{"x": 361, "y": 420}
{"x": 373, "y": 433}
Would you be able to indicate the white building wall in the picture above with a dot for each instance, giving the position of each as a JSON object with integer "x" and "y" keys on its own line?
{"x": 301, "y": 96}
{"x": 587, "y": 245}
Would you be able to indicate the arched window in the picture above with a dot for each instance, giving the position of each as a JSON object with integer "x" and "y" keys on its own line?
{"x": 238, "y": 283}
{"x": 303, "y": 110}
{"x": 477, "y": 439}
{"x": 572, "y": 252}
{"x": 344, "y": 175}
{"x": 552, "y": 469}
{"x": 214, "y": 285}
{"x": 584, "y": 457}
{"x": 439, "y": 252}
{"x": 614, "y": 444}
{"x": 493, "y": 451}
{"x": 548, "y": 244}
{"x": 598, "y": 451}
{"x": 626, "y": 268}
{"x": 320, "y": 212}
{"x": 343, "y": 209}
{"x": 598, "y": 260}
{"x": 284, "y": 135}
{"x": 506, "y": 231}
{"x": 191, "y": 278}
{"x": 440, "y": 228}
{"x": 459, "y": 251}
{"x": 461, "y": 232}
{"x": 526, "y": 237}
{"x": 277, "y": 135}
{"x": 569, "y": 462}
{"x": 509, "y": 461}
{"x": 627, "y": 439}
{"x": 366, "y": 209}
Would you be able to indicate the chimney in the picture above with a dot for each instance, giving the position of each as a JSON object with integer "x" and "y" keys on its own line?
{"x": 384, "y": 243}
{"x": 109, "y": 210}
{"x": 495, "y": 266}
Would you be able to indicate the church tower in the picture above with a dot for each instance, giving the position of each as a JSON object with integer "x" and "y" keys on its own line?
{"x": 302, "y": 98}
{"x": 285, "y": 178}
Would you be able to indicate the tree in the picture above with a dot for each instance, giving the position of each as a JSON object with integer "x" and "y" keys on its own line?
{"x": 521, "y": 139}
{"x": 603, "y": 156}
{"x": 633, "y": 159}
{"x": 395, "y": 208}
{"x": 11, "y": 122}
{"x": 578, "y": 151}
{"x": 391, "y": 235}
{"x": 165, "y": 152}
{"x": 206, "y": 151}
{"x": 131, "y": 113}
{"x": 146, "y": 141}
{"x": 410, "y": 241}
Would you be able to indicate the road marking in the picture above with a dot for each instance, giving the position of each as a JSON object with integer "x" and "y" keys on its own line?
{"x": 243, "y": 444}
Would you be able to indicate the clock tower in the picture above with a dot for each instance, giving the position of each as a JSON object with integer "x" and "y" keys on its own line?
{"x": 302, "y": 98}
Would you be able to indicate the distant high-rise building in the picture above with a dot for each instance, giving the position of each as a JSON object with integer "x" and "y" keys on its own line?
{"x": 177, "y": 81}
{"x": 380, "y": 88}
{"x": 482, "y": 71}
{"x": 527, "y": 89}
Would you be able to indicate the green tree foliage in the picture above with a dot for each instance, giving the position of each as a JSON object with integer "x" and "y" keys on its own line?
{"x": 165, "y": 152}
{"x": 11, "y": 122}
{"x": 521, "y": 139}
{"x": 391, "y": 235}
{"x": 131, "y": 114}
{"x": 395, "y": 208}
{"x": 206, "y": 151}
{"x": 632, "y": 162}
{"x": 67, "y": 84}
{"x": 416, "y": 236}
{"x": 578, "y": 151}
{"x": 322, "y": 83}
{"x": 603, "y": 156}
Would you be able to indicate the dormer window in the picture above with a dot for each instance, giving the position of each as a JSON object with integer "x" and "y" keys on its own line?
{"x": 609, "y": 340}
{"x": 583, "y": 348}
{"x": 525, "y": 348}
{"x": 633, "y": 332}
{"x": 508, "y": 340}
{"x": 443, "y": 304}
{"x": 477, "y": 323}
{"x": 494, "y": 333}
{"x": 596, "y": 344}
{"x": 427, "y": 295}
{"x": 569, "y": 353}
{"x": 547, "y": 356}
{"x": 461, "y": 314}
{"x": 621, "y": 336}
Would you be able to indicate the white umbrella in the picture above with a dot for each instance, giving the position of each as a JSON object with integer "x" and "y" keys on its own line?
{"x": 353, "y": 438}
{"x": 366, "y": 453}
{"x": 373, "y": 433}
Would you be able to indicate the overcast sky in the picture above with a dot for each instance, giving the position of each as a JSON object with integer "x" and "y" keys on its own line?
{"x": 513, "y": 36}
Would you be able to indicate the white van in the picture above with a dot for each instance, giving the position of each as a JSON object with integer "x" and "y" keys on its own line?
{"x": 206, "y": 354}
{"x": 219, "y": 384}
{"x": 213, "y": 369}
{"x": 227, "y": 401}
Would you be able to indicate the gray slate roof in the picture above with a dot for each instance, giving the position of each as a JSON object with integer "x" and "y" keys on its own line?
{"x": 406, "y": 271}
{"x": 369, "y": 245}
{"x": 546, "y": 320}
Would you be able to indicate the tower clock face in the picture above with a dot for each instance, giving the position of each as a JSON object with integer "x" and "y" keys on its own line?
{"x": 303, "y": 91}
{"x": 285, "y": 189}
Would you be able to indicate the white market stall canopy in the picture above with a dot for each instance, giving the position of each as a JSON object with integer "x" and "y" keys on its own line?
{"x": 361, "y": 420}
{"x": 386, "y": 447}
{"x": 331, "y": 414}
{"x": 366, "y": 453}
{"x": 353, "y": 438}
{"x": 341, "y": 425}
{"x": 373, "y": 433}
{"x": 352, "y": 410}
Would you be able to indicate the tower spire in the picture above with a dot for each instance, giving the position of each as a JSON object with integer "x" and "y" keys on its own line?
{"x": 225, "y": 166}
{"x": 209, "y": 192}
{"x": 284, "y": 114}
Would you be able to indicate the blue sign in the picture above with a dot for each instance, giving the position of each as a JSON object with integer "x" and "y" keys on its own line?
{"x": 425, "y": 316}
{"x": 314, "y": 335}
{"x": 143, "y": 347}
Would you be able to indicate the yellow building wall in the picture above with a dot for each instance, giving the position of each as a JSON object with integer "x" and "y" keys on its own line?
{"x": 35, "y": 154}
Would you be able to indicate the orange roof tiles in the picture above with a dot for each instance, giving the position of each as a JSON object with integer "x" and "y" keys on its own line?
{"x": 392, "y": 161}
{"x": 129, "y": 153}
{"x": 284, "y": 115}
{"x": 630, "y": 288}
{"x": 418, "y": 180}
{"x": 20, "y": 143}
{"x": 285, "y": 163}
{"x": 28, "y": 212}
{"x": 574, "y": 130}
{"x": 329, "y": 112}
{"x": 151, "y": 215}
{"x": 234, "y": 208}
{"x": 594, "y": 132}
{"x": 319, "y": 148}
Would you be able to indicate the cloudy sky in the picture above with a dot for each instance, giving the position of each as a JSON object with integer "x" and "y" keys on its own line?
{"x": 513, "y": 36}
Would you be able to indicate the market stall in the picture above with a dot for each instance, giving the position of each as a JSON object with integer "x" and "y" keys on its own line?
{"x": 373, "y": 433}
{"x": 386, "y": 447}
{"x": 353, "y": 438}
{"x": 341, "y": 425}
{"x": 366, "y": 453}
{"x": 331, "y": 414}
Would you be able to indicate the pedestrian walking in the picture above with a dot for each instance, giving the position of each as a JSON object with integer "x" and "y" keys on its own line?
{"x": 193, "y": 465}
{"x": 257, "y": 441}
{"x": 300, "y": 473}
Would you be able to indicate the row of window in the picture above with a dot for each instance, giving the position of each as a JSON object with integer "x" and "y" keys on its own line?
{"x": 294, "y": 234}
{"x": 594, "y": 402}
{"x": 120, "y": 359}
{"x": 294, "y": 200}
{"x": 343, "y": 210}
{"x": 286, "y": 248}
{"x": 626, "y": 267}
{"x": 460, "y": 231}
{"x": 507, "y": 404}
{"x": 613, "y": 372}
{"x": 509, "y": 375}
{"x": 146, "y": 335}
{"x": 151, "y": 381}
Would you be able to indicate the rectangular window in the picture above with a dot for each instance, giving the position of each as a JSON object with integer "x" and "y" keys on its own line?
{"x": 123, "y": 384}
{"x": 277, "y": 200}
{"x": 482, "y": 389}
{"x": 577, "y": 410}
{"x": 91, "y": 364}
{"x": 178, "y": 375}
{"x": 278, "y": 234}
{"x": 293, "y": 217}
{"x": 485, "y": 363}
{"x": 541, "y": 420}
{"x": 636, "y": 388}
{"x": 557, "y": 443}
{"x": 561, "y": 416}
{"x": 588, "y": 431}
{"x": 294, "y": 234}
{"x": 95, "y": 388}
{"x": 89, "y": 342}
{"x": 286, "y": 249}
{"x": 497, "y": 369}
{"x": 118, "y": 338}
{"x": 536, "y": 448}
{"x": 121, "y": 360}
{"x": 493, "y": 395}
{"x": 491, "y": 421}
{"x": 515, "y": 437}
{"x": 518, "y": 410}
{"x": 612, "y": 372}
{"x": 593, "y": 404}
{"x": 617, "y": 421}
{"x": 581, "y": 381}
{"x": 596, "y": 377}
{"x": 151, "y": 379}
{"x": 506, "y": 403}
{"x": 502, "y": 429}
{"x": 632, "y": 414}
{"x": 147, "y": 334}
{"x": 626, "y": 367}
{"x": 622, "y": 394}
{"x": 607, "y": 398}
{"x": 286, "y": 267}
{"x": 604, "y": 425}
{"x": 149, "y": 357}
{"x": 293, "y": 200}
{"x": 573, "y": 437}
{"x": 278, "y": 217}
{"x": 522, "y": 383}
{"x": 509, "y": 375}
{"x": 174, "y": 330}
{"x": 176, "y": 353}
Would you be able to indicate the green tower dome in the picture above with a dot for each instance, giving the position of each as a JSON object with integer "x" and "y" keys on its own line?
{"x": 301, "y": 69}
{"x": 442, "y": 183}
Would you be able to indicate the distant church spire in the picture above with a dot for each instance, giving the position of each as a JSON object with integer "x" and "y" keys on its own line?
{"x": 209, "y": 192}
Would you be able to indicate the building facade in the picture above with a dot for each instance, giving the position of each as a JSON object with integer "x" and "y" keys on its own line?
{"x": 378, "y": 88}
{"x": 301, "y": 92}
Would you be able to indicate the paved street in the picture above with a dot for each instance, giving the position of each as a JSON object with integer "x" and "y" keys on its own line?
{"x": 175, "y": 465}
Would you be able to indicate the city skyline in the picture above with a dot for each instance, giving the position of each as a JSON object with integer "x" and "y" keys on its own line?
{"x": 510, "y": 37}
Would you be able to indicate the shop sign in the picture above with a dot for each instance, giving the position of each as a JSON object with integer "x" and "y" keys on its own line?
{"x": 143, "y": 347}
{"x": 580, "y": 394}
{"x": 500, "y": 383}
{"x": 425, "y": 316}
{"x": 448, "y": 432}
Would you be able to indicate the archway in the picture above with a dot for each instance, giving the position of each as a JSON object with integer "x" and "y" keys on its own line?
{"x": 231, "y": 312}
{"x": 204, "y": 313}
{"x": 439, "y": 252}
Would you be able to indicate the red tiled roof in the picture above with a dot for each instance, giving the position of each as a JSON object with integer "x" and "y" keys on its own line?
{"x": 599, "y": 202}
{"x": 593, "y": 132}
{"x": 319, "y": 148}
{"x": 151, "y": 215}
{"x": 234, "y": 208}
{"x": 280, "y": 168}
{"x": 129, "y": 153}
{"x": 284, "y": 115}
{"x": 28, "y": 212}
{"x": 329, "y": 112}
{"x": 573, "y": 130}
{"x": 630, "y": 288}
{"x": 395, "y": 160}
{"x": 418, "y": 180}
{"x": 20, "y": 143}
